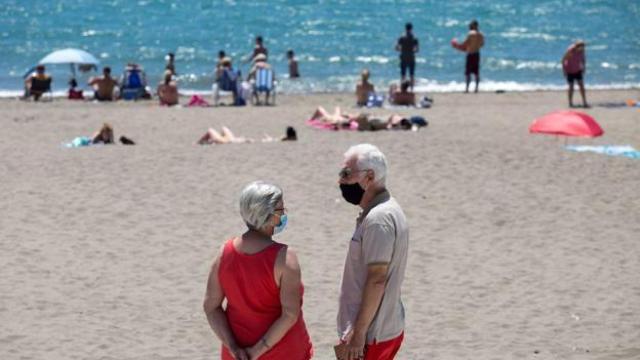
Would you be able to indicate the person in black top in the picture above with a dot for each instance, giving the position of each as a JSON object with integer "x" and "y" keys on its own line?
{"x": 408, "y": 47}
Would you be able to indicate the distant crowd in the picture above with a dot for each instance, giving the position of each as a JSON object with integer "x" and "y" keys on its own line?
{"x": 261, "y": 77}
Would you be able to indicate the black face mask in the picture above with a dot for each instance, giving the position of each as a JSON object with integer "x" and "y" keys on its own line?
{"x": 352, "y": 193}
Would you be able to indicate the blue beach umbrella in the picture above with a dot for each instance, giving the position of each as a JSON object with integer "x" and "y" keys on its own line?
{"x": 72, "y": 57}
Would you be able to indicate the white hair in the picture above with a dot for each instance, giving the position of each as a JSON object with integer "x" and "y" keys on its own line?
{"x": 258, "y": 202}
{"x": 369, "y": 157}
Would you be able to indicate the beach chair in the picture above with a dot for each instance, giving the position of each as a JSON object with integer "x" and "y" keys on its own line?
{"x": 227, "y": 84}
{"x": 132, "y": 84}
{"x": 40, "y": 87}
{"x": 264, "y": 83}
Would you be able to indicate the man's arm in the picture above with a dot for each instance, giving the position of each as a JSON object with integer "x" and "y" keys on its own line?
{"x": 371, "y": 298}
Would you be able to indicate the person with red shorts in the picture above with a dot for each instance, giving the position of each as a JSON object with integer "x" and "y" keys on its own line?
{"x": 371, "y": 314}
{"x": 261, "y": 282}
{"x": 471, "y": 46}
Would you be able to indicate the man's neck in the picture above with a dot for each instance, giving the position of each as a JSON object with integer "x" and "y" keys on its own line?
{"x": 370, "y": 194}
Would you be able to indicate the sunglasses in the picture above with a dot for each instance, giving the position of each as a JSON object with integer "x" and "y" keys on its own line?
{"x": 346, "y": 173}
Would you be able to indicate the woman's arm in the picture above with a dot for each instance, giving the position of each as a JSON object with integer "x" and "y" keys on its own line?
{"x": 290, "y": 299}
{"x": 215, "y": 314}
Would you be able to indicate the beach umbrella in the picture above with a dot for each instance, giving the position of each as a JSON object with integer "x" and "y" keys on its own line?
{"x": 72, "y": 57}
{"x": 568, "y": 123}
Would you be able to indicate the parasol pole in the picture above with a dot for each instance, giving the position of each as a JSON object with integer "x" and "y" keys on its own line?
{"x": 73, "y": 70}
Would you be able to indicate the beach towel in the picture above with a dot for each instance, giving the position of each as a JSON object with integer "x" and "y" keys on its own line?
{"x": 611, "y": 150}
{"x": 197, "y": 100}
{"x": 324, "y": 126}
{"x": 80, "y": 141}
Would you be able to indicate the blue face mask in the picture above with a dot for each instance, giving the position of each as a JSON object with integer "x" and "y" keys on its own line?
{"x": 280, "y": 227}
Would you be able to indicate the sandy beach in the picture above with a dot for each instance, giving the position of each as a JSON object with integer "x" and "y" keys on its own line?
{"x": 519, "y": 249}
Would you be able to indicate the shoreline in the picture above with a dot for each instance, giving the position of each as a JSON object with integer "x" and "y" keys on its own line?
{"x": 185, "y": 95}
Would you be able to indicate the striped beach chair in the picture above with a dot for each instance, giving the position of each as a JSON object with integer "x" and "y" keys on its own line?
{"x": 265, "y": 83}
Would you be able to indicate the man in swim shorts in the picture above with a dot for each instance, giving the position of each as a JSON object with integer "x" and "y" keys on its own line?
{"x": 471, "y": 46}
{"x": 408, "y": 47}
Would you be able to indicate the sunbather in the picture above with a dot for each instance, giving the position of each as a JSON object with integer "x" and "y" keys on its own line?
{"x": 402, "y": 97}
{"x": 104, "y": 86}
{"x": 212, "y": 136}
{"x": 338, "y": 118}
{"x": 392, "y": 122}
{"x": 168, "y": 90}
{"x": 364, "y": 88}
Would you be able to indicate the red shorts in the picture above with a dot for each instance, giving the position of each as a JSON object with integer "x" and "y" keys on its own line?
{"x": 385, "y": 350}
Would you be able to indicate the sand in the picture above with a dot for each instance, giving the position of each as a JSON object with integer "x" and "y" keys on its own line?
{"x": 519, "y": 249}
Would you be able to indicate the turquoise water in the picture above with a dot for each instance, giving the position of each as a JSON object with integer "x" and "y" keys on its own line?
{"x": 333, "y": 40}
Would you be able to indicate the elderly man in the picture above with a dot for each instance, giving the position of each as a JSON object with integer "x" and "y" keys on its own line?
{"x": 371, "y": 314}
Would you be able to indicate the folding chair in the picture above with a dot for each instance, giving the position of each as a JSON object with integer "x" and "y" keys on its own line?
{"x": 227, "y": 84}
{"x": 264, "y": 82}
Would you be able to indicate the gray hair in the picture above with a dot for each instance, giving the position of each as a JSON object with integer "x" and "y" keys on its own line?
{"x": 258, "y": 202}
{"x": 369, "y": 157}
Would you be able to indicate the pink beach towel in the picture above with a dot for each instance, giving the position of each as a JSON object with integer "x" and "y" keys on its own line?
{"x": 197, "y": 100}
{"x": 324, "y": 126}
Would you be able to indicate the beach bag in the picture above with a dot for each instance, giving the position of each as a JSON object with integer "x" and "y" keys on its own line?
{"x": 418, "y": 121}
{"x": 375, "y": 100}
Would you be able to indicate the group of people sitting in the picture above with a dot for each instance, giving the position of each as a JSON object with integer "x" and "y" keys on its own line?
{"x": 402, "y": 95}
{"x": 261, "y": 79}
{"x": 132, "y": 85}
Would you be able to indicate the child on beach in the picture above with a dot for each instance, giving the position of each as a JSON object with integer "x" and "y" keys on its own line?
{"x": 293, "y": 65}
{"x": 73, "y": 93}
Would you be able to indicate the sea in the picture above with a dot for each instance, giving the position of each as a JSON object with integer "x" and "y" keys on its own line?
{"x": 333, "y": 40}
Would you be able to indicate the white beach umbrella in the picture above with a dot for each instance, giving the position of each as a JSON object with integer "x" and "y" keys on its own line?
{"x": 70, "y": 56}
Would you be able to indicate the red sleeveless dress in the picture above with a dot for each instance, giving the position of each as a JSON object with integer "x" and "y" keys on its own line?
{"x": 253, "y": 303}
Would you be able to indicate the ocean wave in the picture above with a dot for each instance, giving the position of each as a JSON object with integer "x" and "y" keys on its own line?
{"x": 374, "y": 59}
{"x": 524, "y": 35}
{"x": 493, "y": 63}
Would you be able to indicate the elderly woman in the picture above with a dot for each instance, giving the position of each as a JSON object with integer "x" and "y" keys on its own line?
{"x": 261, "y": 281}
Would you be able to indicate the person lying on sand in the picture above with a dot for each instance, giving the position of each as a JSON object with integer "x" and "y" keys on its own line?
{"x": 368, "y": 122}
{"x": 212, "y": 136}
{"x": 338, "y": 118}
